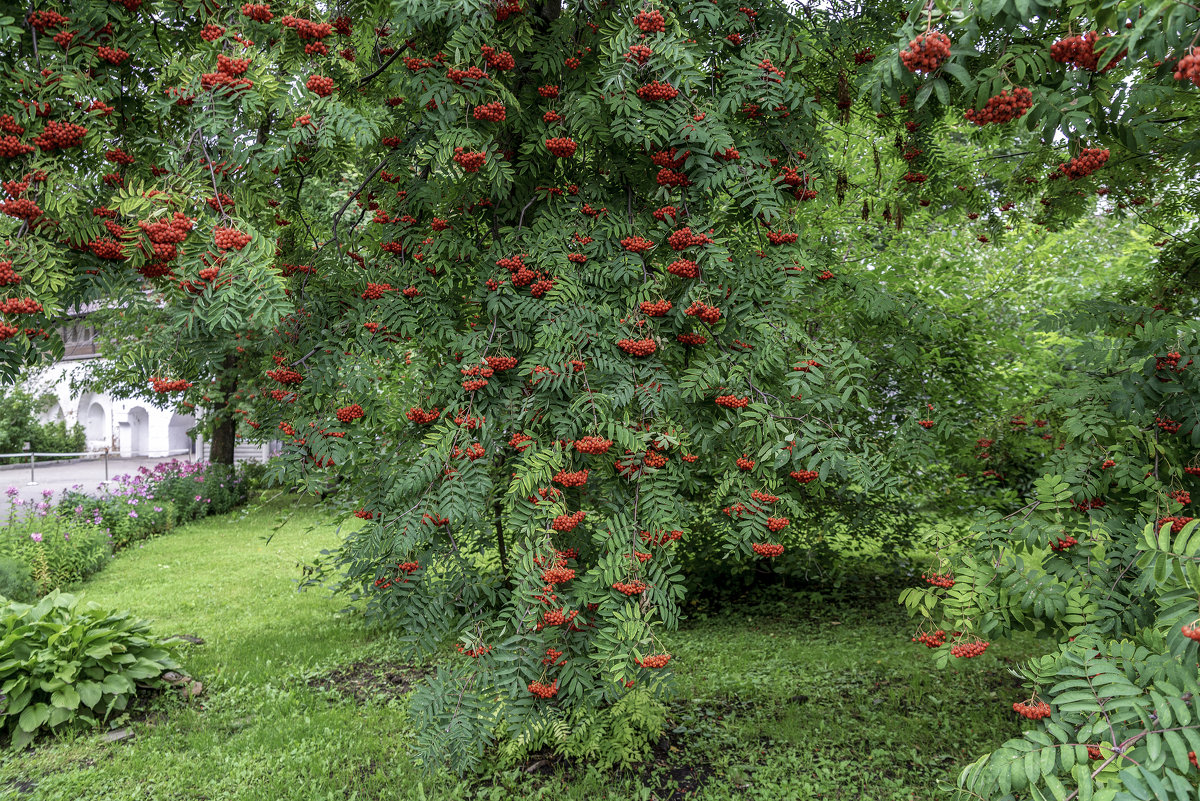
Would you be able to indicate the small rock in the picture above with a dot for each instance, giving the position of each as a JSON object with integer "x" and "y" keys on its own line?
{"x": 117, "y": 735}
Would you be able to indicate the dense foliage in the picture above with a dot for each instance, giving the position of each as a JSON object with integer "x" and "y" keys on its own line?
{"x": 67, "y": 663}
{"x": 541, "y": 288}
{"x": 19, "y": 424}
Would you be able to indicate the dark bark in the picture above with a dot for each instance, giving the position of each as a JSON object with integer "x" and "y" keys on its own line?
{"x": 498, "y": 508}
{"x": 224, "y": 429}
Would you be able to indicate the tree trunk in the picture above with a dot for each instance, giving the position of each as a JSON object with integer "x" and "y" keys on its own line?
{"x": 222, "y": 439}
{"x": 224, "y": 429}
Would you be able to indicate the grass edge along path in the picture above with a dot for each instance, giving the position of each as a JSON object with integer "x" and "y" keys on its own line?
{"x": 819, "y": 701}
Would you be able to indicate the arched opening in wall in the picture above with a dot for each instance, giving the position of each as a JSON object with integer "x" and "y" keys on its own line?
{"x": 95, "y": 426}
{"x": 54, "y": 414}
{"x": 139, "y": 431}
{"x": 177, "y": 433}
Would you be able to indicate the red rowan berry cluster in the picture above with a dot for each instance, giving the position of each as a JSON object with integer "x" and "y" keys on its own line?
{"x": 691, "y": 340}
{"x": 669, "y": 177}
{"x": 666, "y": 211}
{"x": 1170, "y": 362}
{"x": 163, "y": 385}
{"x": 745, "y": 463}
{"x": 1079, "y": 52}
{"x": 230, "y": 239}
{"x": 1087, "y": 162}
{"x": 934, "y": 639}
{"x": 684, "y": 238}
{"x": 945, "y": 581}
{"x": 639, "y": 53}
{"x": 630, "y": 588}
{"x": 106, "y": 248}
{"x": 658, "y": 308}
{"x": 561, "y": 146}
{"x": 576, "y": 479}
{"x": 8, "y": 276}
{"x": 500, "y": 61}
{"x": 865, "y": 56}
{"x": 1063, "y": 543}
{"x": 967, "y": 650}
{"x": 1177, "y": 522}
{"x": 731, "y": 401}
{"x": 376, "y": 291}
{"x": 636, "y": 244}
{"x": 491, "y": 112}
{"x": 60, "y": 136}
{"x": 118, "y": 156}
{"x": 1002, "y": 108}
{"x": 472, "y": 74}
{"x": 421, "y": 417}
{"x": 1094, "y": 752}
{"x": 475, "y": 652}
{"x": 11, "y": 147}
{"x": 775, "y": 524}
{"x": 348, "y": 414}
{"x": 259, "y": 12}
{"x": 557, "y": 575}
{"x": 653, "y": 660}
{"x": 781, "y": 238}
{"x": 542, "y": 690}
{"x": 925, "y": 423}
{"x": 657, "y": 91}
{"x": 473, "y": 384}
{"x": 1191, "y": 632}
{"x": 1168, "y": 425}
{"x": 593, "y": 445}
{"x": 1032, "y": 709}
{"x": 320, "y": 85}
{"x": 285, "y": 375}
{"x": 763, "y": 497}
{"x": 42, "y": 21}
{"x": 926, "y": 52}
{"x": 703, "y": 312}
{"x": 661, "y": 537}
{"x": 766, "y": 549}
{"x": 211, "y": 33}
{"x": 470, "y": 161}
{"x": 637, "y": 347}
{"x": 1182, "y": 496}
{"x": 307, "y": 29}
{"x": 21, "y": 208}
{"x": 1188, "y": 68}
{"x": 650, "y": 21}
{"x": 113, "y": 55}
{"x": 520, "y": 441}
{"x": 20, "y": 306}
{"x": 501, "y": 362}
{"x": 684, "y": 268}
{"x": 565, "y": 523}
{"x": 548, "y": 92}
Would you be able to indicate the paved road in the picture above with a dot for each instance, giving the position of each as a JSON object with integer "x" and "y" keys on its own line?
{"x": 58, "y": 477}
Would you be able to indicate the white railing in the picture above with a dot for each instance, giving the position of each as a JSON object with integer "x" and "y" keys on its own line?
{"x": 32, "y": 457}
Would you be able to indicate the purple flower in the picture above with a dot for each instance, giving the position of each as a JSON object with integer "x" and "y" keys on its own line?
{"x": 133, "y": 514}
{"x": 158, "y": 508}
{"x": 12, "y": 492}
{"x": 47, "y": 494}
{"x": 66, "y": 536}
{"x": 198, "y": 499}
{"x": 36, "y": 536}
{"x": 79, "y": 510}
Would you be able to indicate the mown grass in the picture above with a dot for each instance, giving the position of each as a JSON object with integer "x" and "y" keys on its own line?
{"x": 804, "y": 697}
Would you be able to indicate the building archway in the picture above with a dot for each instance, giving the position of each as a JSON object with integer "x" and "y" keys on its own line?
{"x": 139, "y": 431}
{"x": 177, "y": 433}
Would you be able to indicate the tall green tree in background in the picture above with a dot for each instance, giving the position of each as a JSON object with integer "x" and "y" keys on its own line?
{"x": 545, "y": 284}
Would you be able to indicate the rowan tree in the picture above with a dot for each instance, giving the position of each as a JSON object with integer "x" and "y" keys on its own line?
{"x": 538, "y": 283}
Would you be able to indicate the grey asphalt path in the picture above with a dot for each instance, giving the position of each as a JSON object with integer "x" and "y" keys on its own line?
{"x": 58, "y": 477}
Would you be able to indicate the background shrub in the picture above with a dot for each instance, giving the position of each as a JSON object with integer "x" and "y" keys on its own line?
{"x": 16, "y": 581}
{"x": 65, "y": 662}
{"x": 19, "y": 424}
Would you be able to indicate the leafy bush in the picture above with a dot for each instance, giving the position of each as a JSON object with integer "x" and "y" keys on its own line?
{"x": 65, "y": 663}
{"x": 19, "y": 424}
{"x": 16, "y": 581}
{"x": 59, "y": 548}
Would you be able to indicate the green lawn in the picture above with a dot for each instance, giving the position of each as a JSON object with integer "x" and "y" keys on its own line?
{"x": 810, "y": 699}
